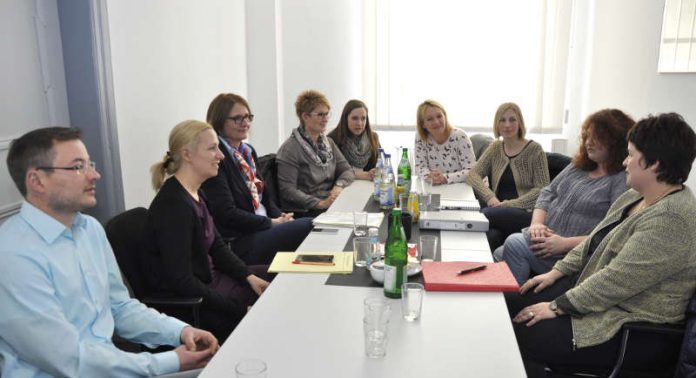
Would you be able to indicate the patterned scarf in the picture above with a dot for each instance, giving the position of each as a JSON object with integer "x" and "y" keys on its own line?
{"x": 320, "y": 152}
{"x": 357, "y": 150}
{"x": 247, "y": 167}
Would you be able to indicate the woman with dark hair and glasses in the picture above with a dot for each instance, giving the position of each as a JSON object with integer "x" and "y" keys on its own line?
{"x": 356, "y": 140}
{"x": 637, "y": 265}
{"x": 312, "y": 171}
{"x": 253, "y": 224}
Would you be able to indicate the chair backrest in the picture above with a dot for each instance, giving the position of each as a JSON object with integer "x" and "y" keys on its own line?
{"x": 126, "y": 233}
{"x": 686, "y": 366}
{"x": 480, "y": 142}
{"x": 267, "y": 168}
{"x": 557, "y": 163}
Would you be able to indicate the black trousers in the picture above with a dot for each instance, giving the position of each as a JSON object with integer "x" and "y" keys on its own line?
{"x": 550, "y": 342}
{"x": 504, "y": 221}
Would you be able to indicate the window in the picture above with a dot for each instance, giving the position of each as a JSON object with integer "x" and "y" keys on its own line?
{"x": 678, "y": 48}
{"x": 471, "y": 56}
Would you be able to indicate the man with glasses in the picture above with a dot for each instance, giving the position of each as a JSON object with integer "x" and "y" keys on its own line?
{"x": 60, "y": 287}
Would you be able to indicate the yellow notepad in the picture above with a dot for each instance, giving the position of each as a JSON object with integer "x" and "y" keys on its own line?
{"x": 283, "y": 262}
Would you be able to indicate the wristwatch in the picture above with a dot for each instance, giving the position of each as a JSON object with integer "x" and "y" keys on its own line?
{"x": 553, "y": 306}
{"x": 340, "y": 184}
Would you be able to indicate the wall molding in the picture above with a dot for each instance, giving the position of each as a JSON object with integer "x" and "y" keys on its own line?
{"x": 5, "y": 143}
{"x": 9, "y": 209}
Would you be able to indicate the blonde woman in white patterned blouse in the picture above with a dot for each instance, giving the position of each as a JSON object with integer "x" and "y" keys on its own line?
{"x": 444, "y": 154}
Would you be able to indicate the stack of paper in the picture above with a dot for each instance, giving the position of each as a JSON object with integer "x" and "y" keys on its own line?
{"x": 283, "y": 262}
{"x": 345, "y": 219}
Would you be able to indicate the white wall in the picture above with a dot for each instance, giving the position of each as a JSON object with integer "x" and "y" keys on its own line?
{"x": 321, "y": 46}
{"x": 299, "y": 45}
{"x": 264, "y": 74}
{"x": 621, "y": 46}
{"x": 32, "y": 94}
{"x": 170, "y": 58}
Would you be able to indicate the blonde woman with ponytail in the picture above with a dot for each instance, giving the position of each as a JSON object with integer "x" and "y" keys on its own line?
{"x": 187, "y": 255}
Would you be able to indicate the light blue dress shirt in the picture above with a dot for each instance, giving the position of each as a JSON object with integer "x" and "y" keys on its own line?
{"x": 61, "y": 296}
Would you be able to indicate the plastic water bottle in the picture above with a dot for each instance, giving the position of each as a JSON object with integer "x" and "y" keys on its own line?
{"x": 379, "y": 170}
{"x": 373, "y": 238}
{"x": 386, "y": 188}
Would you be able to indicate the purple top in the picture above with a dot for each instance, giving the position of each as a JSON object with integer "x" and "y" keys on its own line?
{"x": 207, "y": 220}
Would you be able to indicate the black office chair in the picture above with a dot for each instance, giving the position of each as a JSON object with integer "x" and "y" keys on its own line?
{"x": 627, "y": 364}
{"x": 267, "y": 168}
{"x": 686, "y": 366}
{"x": 480, "y": 143}
{"x": 557, "y": 162}
{"x": 126, "y": 235}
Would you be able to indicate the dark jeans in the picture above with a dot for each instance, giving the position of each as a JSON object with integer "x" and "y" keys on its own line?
{"x": 260, "y": 247}
{"x": 504, "y": 221}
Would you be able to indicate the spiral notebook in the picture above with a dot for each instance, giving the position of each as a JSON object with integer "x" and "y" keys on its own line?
{"x": 448, "y": 204}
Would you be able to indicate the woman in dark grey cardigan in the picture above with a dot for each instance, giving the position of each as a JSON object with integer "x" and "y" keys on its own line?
{"x": 638, "y": 264}
{"x": 311, "y": 169}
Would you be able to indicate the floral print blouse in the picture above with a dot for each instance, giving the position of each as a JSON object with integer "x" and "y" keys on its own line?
{"x": 454, "y": 158}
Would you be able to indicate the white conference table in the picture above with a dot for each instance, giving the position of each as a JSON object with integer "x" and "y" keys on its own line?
{"x": 303, "y": 328}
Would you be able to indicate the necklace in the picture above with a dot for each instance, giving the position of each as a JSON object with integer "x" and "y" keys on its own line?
{"x": 645, "y": 204}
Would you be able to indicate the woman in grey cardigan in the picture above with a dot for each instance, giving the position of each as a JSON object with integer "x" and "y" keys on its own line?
{"x": 517, "y": 170}
{"x": 311, "y": 169}
{"x": 638, "y": 264}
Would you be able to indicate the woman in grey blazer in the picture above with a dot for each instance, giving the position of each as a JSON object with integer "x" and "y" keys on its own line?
{"x": 638, "y": 264}
{"x": 311, "y": 169}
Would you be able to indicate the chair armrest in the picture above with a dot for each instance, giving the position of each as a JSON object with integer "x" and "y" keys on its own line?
{"x": 662, "y": 328}
{"x": 644, "y": 327}
{"x": 174, "y": 302}
{"x": 194, "y": 303}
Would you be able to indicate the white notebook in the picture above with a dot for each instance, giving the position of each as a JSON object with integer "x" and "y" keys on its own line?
{"x": 448, "y": 204}
{"x": 345, "y": 219}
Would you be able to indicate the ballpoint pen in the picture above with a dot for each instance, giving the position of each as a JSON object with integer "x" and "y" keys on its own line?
{"x": 469, "y": 270}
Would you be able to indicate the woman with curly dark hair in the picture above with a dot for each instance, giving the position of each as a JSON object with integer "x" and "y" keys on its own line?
{"x": 576, "y": 200}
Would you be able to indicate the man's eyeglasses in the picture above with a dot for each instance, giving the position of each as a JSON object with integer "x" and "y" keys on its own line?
{"x": 79, "y": 168}
{"x": 326, "y": 115}
{"x": 241, "y": 118}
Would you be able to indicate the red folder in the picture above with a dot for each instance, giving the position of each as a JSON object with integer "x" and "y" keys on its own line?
{"x": 443, "y": 276}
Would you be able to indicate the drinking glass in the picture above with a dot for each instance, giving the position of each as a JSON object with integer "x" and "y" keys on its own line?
{"x": 251, "y": 368}
{"x": 411, "y": 300}
{"x": 360, "y": 223}
{"x": 428, "y": 247}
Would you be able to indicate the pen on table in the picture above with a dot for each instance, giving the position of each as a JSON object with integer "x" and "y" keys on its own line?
{"x": 469, "y": 270}
{"x": 327, "y": 230}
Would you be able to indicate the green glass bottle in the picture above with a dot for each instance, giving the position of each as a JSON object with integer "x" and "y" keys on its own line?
{"x": 395, "y": 257}
{"x": 403, "y": 184}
